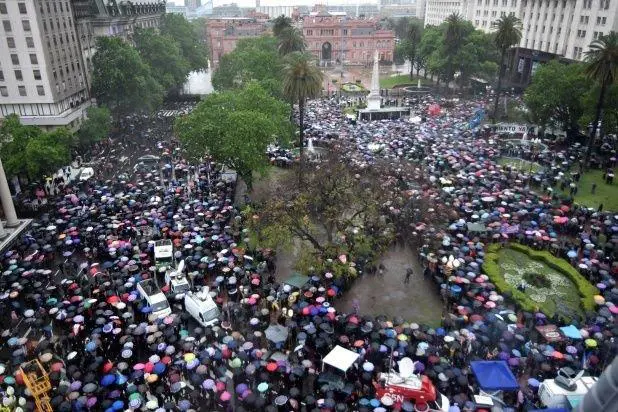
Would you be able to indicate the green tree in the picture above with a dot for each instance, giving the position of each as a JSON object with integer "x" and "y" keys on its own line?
{"x": 476, "y": 57}
{"x": 235, "y": 127}
{"x": 508, "y": 34}
{"x": 602, "y": 67}
{"x": 410, "y": 43}
{"x": 302, "y": 80}
{"x": 47, "y": 152}
{"x": 121, "y": 80}
{"x": 456, "y": 29}
{"x": 554, "y": 98}
{"x": 163, "y": 55}
{"x": 28, "y": 151}
{"x": 254, "y": 59}
{"x": 96, "y": 127}
{"x": 291, "y": 40}
{"x": 609, "y": 125}
{"x": 429, "y": 44}
{"x": 281, "y": 23}
{"x": 189, "y": 38}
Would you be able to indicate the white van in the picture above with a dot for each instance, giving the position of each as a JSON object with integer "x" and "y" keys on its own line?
{"x": 164, "y": 253}
{"x": 564, "y": 391}
{"x": 201, "y": 306}
{"x": 154, "y": 298}
{"x": 177, "y": 281}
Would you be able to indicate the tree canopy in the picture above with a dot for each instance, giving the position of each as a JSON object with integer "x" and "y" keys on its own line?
{"x": 29, "y": 151}
{"x": 161, "y": 52}
{"x": 554, "y": 97}
{"x": 121, "y": 80}
{"x": 280, "y": 23}
{"x": 253, "y": 59}
{"x": 235, "y": 127}
{"x": 96, "y": 127}
{"x": 190, "y": 39}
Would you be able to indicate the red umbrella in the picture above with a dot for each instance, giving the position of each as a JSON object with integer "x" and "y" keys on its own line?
{"x": 113, "y": 299}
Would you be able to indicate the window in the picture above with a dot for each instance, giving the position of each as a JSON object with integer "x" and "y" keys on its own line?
{"x": 3, "y": 8}
{"x": 1, "y": 76}
{"x": 7, "y": 26}
{"x": 36, "y": 74}
{"x": 584, "y": 19}
{"x": 581, "y": 33}
{"x": 18, "y": 76}
{"x": 4, "y": 91}
{"x": 26, "y": 25}
{"x": 603, "y": 21}
{"x": 22, "y": 90}
{"x": 33, "y": 59}
{"x": 10, "y": 42}
{"x": 30, "y": 42}
{"x": 22, "y": 8}
{"x": 40, "y": 90}
{"x": 15, "y": 58}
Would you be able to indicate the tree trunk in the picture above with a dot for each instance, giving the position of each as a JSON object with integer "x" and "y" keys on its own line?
{"x": 595, "y": 125}
{"x": 500, "y": 74}
{"x": 301, "y": 112}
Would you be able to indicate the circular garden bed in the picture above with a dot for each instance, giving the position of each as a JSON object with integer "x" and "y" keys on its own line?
{"x": 539, "y": 281}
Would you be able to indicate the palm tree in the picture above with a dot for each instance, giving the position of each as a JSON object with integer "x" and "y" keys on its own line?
{"x": 453, "y": 37}
{"x": 302, "y": 80}
{"x": 602, "y": 59}
{"x": 508, "y": 33}
{"x": 280, "y": 23}
{"x": 291, "y": 40}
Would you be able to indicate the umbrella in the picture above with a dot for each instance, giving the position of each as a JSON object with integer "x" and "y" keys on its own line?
{"x": 276, "y": 333}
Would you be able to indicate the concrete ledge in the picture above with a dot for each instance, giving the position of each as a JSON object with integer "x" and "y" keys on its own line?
{"x": 13, "y": 233}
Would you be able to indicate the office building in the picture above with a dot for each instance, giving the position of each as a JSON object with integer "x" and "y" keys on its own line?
{"x": 42, "y": 76}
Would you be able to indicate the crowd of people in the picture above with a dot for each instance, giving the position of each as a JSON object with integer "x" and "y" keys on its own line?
{"x": 105, "y": 351}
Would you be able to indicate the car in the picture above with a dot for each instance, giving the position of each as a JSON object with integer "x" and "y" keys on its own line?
{"x": 147, "y": 163}
{"x": 86, "y": 173}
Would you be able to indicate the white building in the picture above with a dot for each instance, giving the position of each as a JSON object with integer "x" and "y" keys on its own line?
{"x": 42, "y": 78}
{"x": 560, "y": 27}
{"x": 566, "y": 28}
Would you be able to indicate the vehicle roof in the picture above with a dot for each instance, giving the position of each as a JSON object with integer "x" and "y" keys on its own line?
{"x": 202, "y": 303}
{"x": 583, "y": 386}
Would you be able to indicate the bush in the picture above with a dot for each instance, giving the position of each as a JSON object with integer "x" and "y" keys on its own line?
{"x": 537, "y": 279}
{"x": 492, "y": 270}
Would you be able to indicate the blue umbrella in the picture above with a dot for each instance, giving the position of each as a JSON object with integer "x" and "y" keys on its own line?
{"x": 108, "y": 380}
{"x": 146, "y": 309}
{"x": 159, "y": 368}
{"x": 117, "y": 405}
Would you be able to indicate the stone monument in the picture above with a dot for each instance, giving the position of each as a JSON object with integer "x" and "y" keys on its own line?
{"x": 373, "y": 100}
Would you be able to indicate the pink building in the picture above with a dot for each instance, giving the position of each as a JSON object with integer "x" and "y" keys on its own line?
{"x": 332, "y": 38}
{"x": 224, "y": 33}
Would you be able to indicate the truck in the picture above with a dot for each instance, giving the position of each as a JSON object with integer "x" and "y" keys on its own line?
{"x": 202, "y": 307}
{"x": 154, "y": 298}
{"x": 566, "y": 390}
{"x": 406, "y": 386}
{"x": 177, "y": 282}
{"x": 163, "y": 254}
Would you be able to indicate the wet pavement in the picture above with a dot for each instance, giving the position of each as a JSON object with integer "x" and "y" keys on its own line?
{"x": 417, "y": 301}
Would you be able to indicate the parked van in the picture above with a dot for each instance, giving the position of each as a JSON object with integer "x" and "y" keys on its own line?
{"x": 154, "y": 298}
{"x": 177, "y": 282}
{"x": 201, "y": 306}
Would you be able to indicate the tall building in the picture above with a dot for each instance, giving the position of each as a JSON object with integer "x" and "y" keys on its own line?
{"x": 436, "y": 11}
{"x": 335, "y": 38}
{"x": 101, "y": 18}
{"x": 42, "y": 76}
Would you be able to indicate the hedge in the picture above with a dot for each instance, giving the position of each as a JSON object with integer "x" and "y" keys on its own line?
{"x": 491, "y": 268}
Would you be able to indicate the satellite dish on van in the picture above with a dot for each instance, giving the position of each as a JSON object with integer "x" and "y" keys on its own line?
{"x": 181, "y": 267}
{"x": 406, "y": 367}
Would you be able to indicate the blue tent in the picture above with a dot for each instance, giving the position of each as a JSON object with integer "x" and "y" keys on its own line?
{"x": 494, "y": 376}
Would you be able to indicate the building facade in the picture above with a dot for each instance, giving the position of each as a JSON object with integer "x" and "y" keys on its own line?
{"x": 103, "y": 18}
{"x": 335, "y": 39}
{"x": 42, "y": 75}
{"x": 224, "y": 33}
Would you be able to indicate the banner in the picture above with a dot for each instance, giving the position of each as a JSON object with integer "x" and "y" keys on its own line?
{"x": 511, "y": 128}
{"x": 520, "y": 65}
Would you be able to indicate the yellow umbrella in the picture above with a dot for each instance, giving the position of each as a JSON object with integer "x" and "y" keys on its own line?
{"x": 189, "y": 356}
{"x": 590, "y": 343}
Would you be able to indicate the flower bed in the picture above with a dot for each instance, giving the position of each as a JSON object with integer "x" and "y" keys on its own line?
{"x": 567, "y": 293}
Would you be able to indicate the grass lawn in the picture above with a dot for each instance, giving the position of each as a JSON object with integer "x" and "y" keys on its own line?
{"x": 523, "y": 165}
{"x": 605, "y": 194}
{"x": 389, "y": 82}
{"x": 560, "y": 295}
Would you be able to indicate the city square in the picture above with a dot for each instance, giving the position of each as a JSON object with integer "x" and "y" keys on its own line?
{"x": 370, "y": 207}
